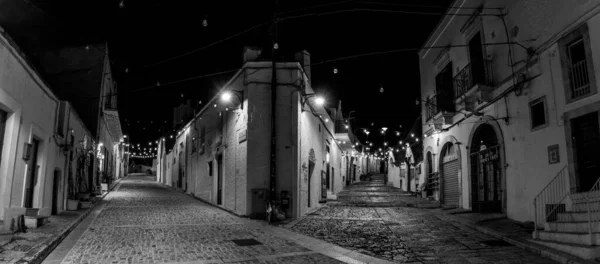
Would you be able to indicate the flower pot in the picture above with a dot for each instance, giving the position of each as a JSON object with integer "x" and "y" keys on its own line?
{"x": 72, "y": 205}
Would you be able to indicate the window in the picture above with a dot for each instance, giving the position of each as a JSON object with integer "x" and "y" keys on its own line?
{"x": 210, "y": 168}
{"x": 444, "y": 94}
{"x": 60, "y": 129}
{"x": 537, "y": 109}
{"x": 577, "y": 66}
{"x": 202, "y": 140}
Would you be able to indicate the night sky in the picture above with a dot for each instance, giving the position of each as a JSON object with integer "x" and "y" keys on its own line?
{"x": 142, "y": 33}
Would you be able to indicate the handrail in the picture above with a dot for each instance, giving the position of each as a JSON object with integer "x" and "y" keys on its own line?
{"x": 549, "y": 201}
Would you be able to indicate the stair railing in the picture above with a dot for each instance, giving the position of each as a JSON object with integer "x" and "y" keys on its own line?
{"x": 547, "y": 204}
{"x": 590, "y": 197}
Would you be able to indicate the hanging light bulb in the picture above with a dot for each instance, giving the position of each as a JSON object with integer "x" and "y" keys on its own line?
{"x": 381, "y": 89}
{"x": 275, "y": 46}
{"x": 215, "y": 105}
{"x": 126, "y": 70}
{"x": 205, "y": 22}
{"x": 157, "y": 83}
{"x": 335, "y": 70}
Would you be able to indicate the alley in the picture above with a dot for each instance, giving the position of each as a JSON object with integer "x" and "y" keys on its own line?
{"x": 409, "y": 235}
{"x": 142, "y": 221}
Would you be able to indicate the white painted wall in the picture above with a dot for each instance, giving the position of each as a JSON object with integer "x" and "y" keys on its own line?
{"x": 527, "y": 169}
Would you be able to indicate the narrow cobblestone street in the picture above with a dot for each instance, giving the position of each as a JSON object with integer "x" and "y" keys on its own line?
{"x": 409, "y": 235}
{"x": 144, "y": 222}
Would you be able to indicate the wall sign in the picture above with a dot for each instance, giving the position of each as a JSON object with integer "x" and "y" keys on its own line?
{"x": 242, "y": 135}
{"x": 553, "y": 156}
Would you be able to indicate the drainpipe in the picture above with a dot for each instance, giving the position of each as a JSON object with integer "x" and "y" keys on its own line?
{"x": 273, "y": 180}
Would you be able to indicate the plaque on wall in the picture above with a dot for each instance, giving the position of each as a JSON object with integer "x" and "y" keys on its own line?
{"x": 553, "y": 156}
{"x": 242, "y": 135}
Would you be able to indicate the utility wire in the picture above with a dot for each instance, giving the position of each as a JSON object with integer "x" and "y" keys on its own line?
{"x": 206, "y": 46}
{"x": 425, "y": 6}
{"x": 322, "y": 62}
{"x": 315, "y": 6}
{"x": 379, "y": 10}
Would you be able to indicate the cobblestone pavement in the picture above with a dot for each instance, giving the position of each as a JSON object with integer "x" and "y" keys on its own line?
{"x": 144, "y": 222}
{"x": 409, "y": 235}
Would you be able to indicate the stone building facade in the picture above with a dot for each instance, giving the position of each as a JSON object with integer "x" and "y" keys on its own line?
{"x": 511, "y": 123}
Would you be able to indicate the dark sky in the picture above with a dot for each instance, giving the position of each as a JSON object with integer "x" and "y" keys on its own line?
{"x": 144, "y": 32}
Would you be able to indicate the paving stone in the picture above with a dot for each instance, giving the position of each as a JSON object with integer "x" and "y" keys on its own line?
{"x": 144, "y": 222}
{"x": 407, "y": 235}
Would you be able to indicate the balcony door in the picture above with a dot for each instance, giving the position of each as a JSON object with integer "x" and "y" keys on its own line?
{"x": 444, "y": 87}
{"x": 477, "y": 59}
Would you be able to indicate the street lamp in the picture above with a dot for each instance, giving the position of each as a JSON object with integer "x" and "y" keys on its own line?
{"x": 226, "y": 96}
{"x": 319, "y": 100}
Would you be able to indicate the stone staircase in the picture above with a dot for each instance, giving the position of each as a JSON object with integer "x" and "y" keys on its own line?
{"x": 569, "y": 230}
{"x": 376, "y": 193}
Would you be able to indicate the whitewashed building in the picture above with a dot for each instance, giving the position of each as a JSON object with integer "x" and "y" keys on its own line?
{"x": 511, "y": 124}
{"x": 222, "y": 156}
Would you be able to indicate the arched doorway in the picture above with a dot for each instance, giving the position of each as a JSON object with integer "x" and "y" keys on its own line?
{"x": 486, "y": 170}
{"x": 450, "y": 165}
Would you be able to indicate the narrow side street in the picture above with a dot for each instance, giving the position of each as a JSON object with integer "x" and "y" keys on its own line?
{"x": 145, "y": 222}
{"x": 404, "y": 234}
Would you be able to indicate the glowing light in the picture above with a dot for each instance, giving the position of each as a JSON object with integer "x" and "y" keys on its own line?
{"x": 346, "y": 126}
{"x": 326, "y": 120}
{"x": 412, "y": 135}
{"x": 124, "y": 136}
{"x": 226, "y": 96}
{"x": 319, "y": 101}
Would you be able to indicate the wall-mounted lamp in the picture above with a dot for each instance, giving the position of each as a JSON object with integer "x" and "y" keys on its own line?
{"x": 226, "y": 97}
{"x": 319, "y": 100}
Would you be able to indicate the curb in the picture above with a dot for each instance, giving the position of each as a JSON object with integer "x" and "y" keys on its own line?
{"x": 543, "y": 251}
{"x": 39, "y": 253}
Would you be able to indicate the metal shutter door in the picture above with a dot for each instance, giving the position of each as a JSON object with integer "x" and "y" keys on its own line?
{"x": 450, "y": 171}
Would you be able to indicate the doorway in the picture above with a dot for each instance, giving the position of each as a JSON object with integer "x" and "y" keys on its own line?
{"x": 328, "y": 176}
{"x": 181, "y": 168}
{"x": 32, "y": 171}
{"x": 486, "y": 174}
{"x": 220, "y": 179}
{"x": 586, "y": 140}
{"x": 476, "y": 59}
{"x": 55, "y": 190}
{"x": 450, "y": 166}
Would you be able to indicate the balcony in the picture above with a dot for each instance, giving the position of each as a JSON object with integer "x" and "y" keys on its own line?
{"x": 441, "y": 105}
{"x": 473, "y": 84}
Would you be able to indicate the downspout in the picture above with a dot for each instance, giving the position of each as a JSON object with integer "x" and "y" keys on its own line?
{"x": 273, "y": 181}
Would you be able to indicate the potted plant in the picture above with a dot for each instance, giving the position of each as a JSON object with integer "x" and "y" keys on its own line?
{"x": 104, "y": 183}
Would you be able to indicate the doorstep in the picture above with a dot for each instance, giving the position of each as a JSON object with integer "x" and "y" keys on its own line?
{"x": 36, "y": 244}
{"x": 498, "y": 226}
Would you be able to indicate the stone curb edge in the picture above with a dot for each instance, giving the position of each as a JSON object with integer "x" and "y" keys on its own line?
{"x": 543, "y": 251}
{"x": 39, "y": 253}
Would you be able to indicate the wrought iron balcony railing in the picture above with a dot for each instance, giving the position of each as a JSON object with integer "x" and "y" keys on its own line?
{"x": 468, "y": 77}
{"x": 443, "y": 101}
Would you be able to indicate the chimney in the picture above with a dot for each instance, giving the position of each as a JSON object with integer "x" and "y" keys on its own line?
{"x": 251, "y": 54}
{"x": 303, "y": 57}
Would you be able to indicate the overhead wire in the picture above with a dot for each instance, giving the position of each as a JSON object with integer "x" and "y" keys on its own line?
{"x": 206, "y": 46}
